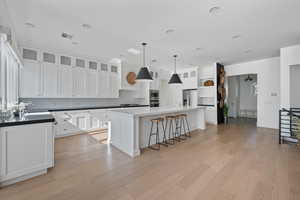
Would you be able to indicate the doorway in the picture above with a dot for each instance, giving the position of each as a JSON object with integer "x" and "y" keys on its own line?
{"x": 242, "y": 98}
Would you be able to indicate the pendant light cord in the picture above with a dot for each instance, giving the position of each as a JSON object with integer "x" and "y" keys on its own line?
{"x": 144, "y": 54}
{"x": 175, "y": 56}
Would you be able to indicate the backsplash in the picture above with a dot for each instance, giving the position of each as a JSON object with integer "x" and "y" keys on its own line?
{"x": 126, "y": 97}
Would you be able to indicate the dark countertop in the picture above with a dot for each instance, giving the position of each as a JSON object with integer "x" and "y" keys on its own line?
{"x": 208, "y": 105}
{"x": 46, "y": 118}
{"x": 30, "y": 119}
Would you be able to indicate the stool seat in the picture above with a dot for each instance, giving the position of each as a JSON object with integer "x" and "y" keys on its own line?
{"x": 159, "y": 119}
{"x": 171, "y": 117}
{"x": 183, "y": 115}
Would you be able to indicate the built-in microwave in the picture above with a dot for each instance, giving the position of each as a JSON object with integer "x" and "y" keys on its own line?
{"x": 154, "y": 98}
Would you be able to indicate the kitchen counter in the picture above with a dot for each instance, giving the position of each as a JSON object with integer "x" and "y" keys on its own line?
{"x": 130, "y": 128}
{"x": 86, "y": 108}
{"x": 143, "y": 112}
{"x": 30, "y": 118}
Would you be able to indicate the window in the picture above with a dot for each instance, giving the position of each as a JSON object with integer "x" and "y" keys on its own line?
{"x": 114, "y": 69}
{"x": 30, "y": 54}
{"x": 93, "y": 65}
{"x": 80, "y": 63}
{"x": 64, "y": 60}
{"x": 104, "y": 67}
{"x": 48, "y": 57}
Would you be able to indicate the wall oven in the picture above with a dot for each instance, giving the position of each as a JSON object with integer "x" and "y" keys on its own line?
{"x": 154, "y": 98}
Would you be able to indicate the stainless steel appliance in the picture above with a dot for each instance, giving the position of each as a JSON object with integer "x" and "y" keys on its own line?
{"x": 190, "y": 97}
{"x": 154, "y": 98}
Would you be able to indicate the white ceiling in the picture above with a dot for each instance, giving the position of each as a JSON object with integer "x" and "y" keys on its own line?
{"x": 117, "y": 25}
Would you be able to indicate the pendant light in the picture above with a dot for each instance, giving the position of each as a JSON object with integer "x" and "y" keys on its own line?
{"x": 144, "y": 74}
{"x": 175, "y": 79}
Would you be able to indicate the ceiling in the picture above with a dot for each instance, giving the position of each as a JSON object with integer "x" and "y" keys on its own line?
{"x": 118, "y": 25}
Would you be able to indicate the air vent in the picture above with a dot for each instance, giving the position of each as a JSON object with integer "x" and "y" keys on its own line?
{"x": 93, "y": 65}
{"x": 64, "y": 60}
{"x": 48, "y": 57}
{"x": 30, "y": 54}
{"x": 114, "y": 69}
{"x": 80, "y": 63}
{"x": 104, "y": 67}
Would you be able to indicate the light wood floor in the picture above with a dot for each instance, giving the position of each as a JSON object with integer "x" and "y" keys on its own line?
{"x": 236, "y": 161}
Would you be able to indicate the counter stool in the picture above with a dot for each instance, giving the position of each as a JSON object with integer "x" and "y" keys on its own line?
{"x": 179, "y": 127}
{"x": 186, "y": 127}
{"x": 156, "y": 134}
{"x": 171, "y": 121}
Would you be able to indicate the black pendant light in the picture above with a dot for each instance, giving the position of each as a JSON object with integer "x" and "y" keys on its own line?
{"x": 144, "y": 74}
{"x": 175, "y": 79}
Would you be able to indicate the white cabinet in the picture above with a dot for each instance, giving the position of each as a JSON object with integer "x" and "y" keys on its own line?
{"x": 114, "y": 82}
{"x": 55, "y": 76}
{"x": 65, "y": 81}
{"x": 25, "y": 150}
{"x": 31, "y": 83}
{"x": 189, "y": 78}
{"x": 79, "y": 81}
{"x": 103, "y": 81}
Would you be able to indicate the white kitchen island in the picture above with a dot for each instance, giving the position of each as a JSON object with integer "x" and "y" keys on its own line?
{"x": 130, "y": 128}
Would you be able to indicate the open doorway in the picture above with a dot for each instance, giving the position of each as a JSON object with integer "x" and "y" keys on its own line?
{"x": 242, "y": 98}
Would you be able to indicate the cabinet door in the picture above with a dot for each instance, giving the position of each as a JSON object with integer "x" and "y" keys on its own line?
{"x": 79, "y": 76}
{"x": 114, "y": 82}
{"x": 103, "y": 82}
{"x": 30, "y": 85}
{"x": 50, "y": 79}
{"x": 26, "y": 149}
{"x": 66, "y": 81}
{"x": 91, "y": 83}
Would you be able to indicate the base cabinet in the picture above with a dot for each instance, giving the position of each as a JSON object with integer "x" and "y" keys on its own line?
{"x": 26, "y": 151}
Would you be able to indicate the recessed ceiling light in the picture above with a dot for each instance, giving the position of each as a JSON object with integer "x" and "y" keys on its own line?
{"x": 215, "y": 10}
{"x": 169, "y": 31}
{"x": 248, "y": 51}
{"x": 86, "y": 26}
{"x": 67, "y": 36}
{"x": 134, "y": 51}
{"x": 75, "y": 43}
{"x": 236, "y": 36}
{"x": 30, "y": 25}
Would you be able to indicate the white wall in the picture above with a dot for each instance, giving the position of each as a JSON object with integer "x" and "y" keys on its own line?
{"x": 6, "y": 22}
{"x": 294, "y": 84}
{"x": 289, "y": 56}
{"x": 268, "y": 99}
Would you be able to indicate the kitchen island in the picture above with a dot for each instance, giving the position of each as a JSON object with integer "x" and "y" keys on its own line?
{"x": 130, "y": 128}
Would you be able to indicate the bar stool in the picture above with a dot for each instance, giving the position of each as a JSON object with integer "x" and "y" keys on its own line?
{"x": 184, "y": 122}
{"x": 179, "y": 126}
{"x": 171, "y": 121}
{"x": 156, "y": 134}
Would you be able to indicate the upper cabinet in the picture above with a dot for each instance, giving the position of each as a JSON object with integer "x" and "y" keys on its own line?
{"x": 49, "y": 75}
{"x": 31, "y": 83}
{"x": 189, "y": 78}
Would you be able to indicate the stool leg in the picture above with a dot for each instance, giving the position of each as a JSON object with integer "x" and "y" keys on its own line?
{"x": 157, "y": 135}
{"x": 182, "y": 126}
{"x": 188, "y": 127}
{"x": 164, "y": 141}
{"x": 150, "y": 135}
{"x": 177, "y": 134}
{"x": 171, "y": 131}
